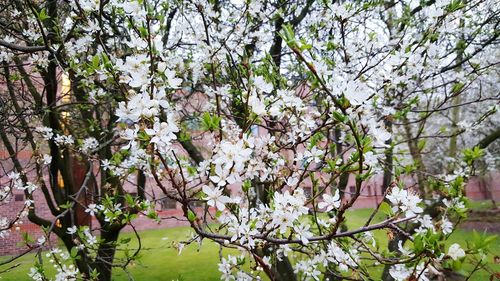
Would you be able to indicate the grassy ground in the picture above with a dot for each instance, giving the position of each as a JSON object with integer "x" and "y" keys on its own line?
{"x": 160, "y": 261}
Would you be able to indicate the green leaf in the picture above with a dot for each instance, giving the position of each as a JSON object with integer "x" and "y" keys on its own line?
{"x": 184, "y": 136}
{"x": 125, "y": 240}
{"x": 385, "y": 208}
{"x": 421, "y": 144}
{"x": 457, "y": 265}
{"x": 339, "y": 117}
{"x": 209, "y": 122}
{"x": 94, "y": 274}
{"x": 65, "y": 206}
{"x": 191, "y": 216}
{"x": 74, "y": 252}
{"x": 246, "y": 185}
{"x": 457, "y": 87}
{"x": 288, "y": 35}
{"x": 418, "y": 244}
{"x": 143, "y": 31}
{"x": 27, "y": 239}
{"x": 316, "y": 138}
{"x": 42, "y": 15}
{"x": 143, "y": 136}
{"x": 95, "y": 62}
{"x": 129, "y": 199}
{"x": 471, "y": 155}
{"x": 454, "y": 6}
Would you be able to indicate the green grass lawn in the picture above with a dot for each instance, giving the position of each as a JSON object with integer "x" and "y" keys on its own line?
{"x": 160, "y": 261}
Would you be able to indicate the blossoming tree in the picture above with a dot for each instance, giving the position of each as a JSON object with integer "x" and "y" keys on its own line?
{"x": 238, "y": 105}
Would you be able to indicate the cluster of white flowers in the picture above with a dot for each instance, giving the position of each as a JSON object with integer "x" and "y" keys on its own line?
{"x": 311, "y": 155}
{"x": 64, "y": 140}
{"x": 309, "y": 269}
{"x": 229, "y": 267}
{"x": 257, "y": 104}
{"x": 241, "y": 227}
{"x": 29, "y": 187}
{"x": 18, "y": 183}
{"x": 163, "y": 133}
{"x": 278, "y": 219}
{"x": 334, "y": 255}
{"x": 405, "y": 201}
{"x": 322, "y": 84}
{"x": 141, "y": 105}
{"x": 89, "y": 145}
{"x": 4, "y": 227}
{"x": 288, "y": 208}
{"x": 89, "y": 238}
{"x": 64, "y": 272}
{"x": 446, "y": 226}
{"x": 456, "y": 203}
{"x": 426, "y": 224}
{"x": 136, "y": 70}
{"x": 401, "y": 272}
{"x": 354, "y": 90}
{"x": 226, "y": 267}
{"x": 5, "y": 192}
{"x": 285, "y": 103}
{"x": 343, "y": 259}
{"x": 35, "y": 274}
{"x": 46, "y": 132}
{"x": 229, "y": 160}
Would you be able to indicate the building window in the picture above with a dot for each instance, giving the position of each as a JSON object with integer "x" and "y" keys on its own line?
{"x": 167, "y": 203}
{"x": 369, "y": 190}
{"x": 18, "y": 197}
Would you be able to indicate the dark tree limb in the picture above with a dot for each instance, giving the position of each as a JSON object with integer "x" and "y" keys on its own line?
{"x": 489, "y": 139}
{"x": 20, "y": 48}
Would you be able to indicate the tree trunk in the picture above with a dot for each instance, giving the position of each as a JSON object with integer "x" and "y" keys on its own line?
{"x": 106, "y": 253}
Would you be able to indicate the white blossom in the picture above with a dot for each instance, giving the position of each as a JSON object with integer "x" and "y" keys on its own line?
{"x": 456, "y": 252}
{"x": 215, "y": 198}
{"x": 405, "y": 201}
{"x": 330, "y": 202}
